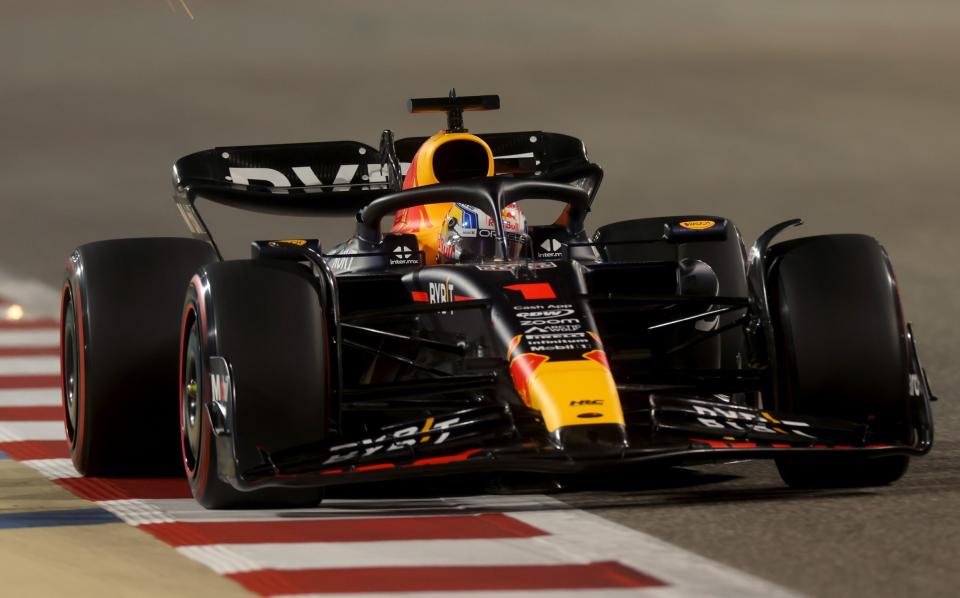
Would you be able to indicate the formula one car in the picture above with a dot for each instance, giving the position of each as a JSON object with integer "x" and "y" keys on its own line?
{"x": 465, "y": 340}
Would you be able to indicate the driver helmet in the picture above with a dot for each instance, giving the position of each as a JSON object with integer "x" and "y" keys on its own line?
{"x": 470, "y": 235}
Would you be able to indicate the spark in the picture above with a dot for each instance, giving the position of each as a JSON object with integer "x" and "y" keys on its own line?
{"x": 186, "y": 8}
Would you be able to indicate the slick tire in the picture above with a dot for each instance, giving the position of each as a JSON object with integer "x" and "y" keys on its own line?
{"x": 834, "y": 472}
{"x": 119, "y": 340}
{"x": 267, "y": 321}
{"x": 842, "y": 351}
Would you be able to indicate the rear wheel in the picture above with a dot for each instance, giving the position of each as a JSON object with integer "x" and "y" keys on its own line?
{"x": 266, "y": 321}
{"x": 842, "y": 350}
{"x": 121, "y": 303}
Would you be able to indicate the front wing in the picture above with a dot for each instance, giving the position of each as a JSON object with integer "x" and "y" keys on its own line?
{"x": 487, "y": 439}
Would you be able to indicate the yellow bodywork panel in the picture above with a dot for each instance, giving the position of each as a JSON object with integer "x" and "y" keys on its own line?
{"x": 574, "y": 393}
{"x": 424, "y": 159}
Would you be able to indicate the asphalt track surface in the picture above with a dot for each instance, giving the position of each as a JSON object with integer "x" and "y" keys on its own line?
{"x": 846, "y": 114}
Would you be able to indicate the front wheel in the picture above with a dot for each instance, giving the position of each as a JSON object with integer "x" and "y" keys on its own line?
{"x": 829, "y": 471}
{"x": 266, "y": 321}
{"x": 842, "y": 351}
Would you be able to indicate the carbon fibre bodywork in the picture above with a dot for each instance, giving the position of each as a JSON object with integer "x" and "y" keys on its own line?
{"x": 435, "y": 367}
{"x": 660, "y": 344}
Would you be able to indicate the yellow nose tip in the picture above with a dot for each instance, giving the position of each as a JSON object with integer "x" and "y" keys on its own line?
{"x": 574, "y": 393}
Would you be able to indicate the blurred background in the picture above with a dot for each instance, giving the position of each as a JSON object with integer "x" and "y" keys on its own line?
{"x": 845, "y": 113}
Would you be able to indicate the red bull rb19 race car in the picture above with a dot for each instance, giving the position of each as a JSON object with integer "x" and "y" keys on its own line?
{"x": 463, "y": 339}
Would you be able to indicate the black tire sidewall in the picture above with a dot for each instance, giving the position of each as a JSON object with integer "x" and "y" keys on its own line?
{"x": 207, "y": 295}
{"x": 79, "y": 448}
{"x": 841, "y": 353}
{"x": 841, "y": 343}
{"x": 127, "y": 294}
{"x": 205, "y": 483}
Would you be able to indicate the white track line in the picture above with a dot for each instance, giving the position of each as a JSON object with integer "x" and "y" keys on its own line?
{"x": 30, "y": 397}
{"x": 135, "y": 511}
{"x": 574, "y": 536}
{"x": 584, "y": 533}
{"x": 143, "y": 511}
{"x": 21, "y": 366}
{"x": 666, "y": 592}
{"x": 54, "y": 469}
{"x": 219, "y": 558}
{"x": 30, "y": 338}
{"x": 188, "y": 510}
{"x": 396, "y": 553}
{"x": 46, "y": 430}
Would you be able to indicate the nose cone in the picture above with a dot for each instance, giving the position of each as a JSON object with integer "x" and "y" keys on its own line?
{"x": 578, "y": 392}
{"x": 598, "y": 440}
{"x": 578, "y": 401}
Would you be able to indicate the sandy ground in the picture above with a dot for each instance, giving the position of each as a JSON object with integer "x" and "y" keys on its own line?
{"x": 106, "y": 559}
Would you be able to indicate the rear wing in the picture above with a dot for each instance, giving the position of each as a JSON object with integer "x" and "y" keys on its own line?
{"x": 296, "y": 178}
{"x": 341, "y": 177}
